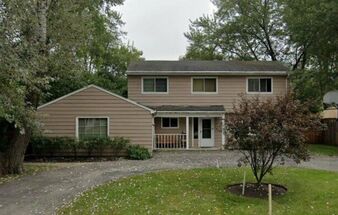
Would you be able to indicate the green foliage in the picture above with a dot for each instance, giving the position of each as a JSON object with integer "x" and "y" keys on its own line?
{"x": 49, "y": 145}
{"x": 325, "y": 150}
{"x": 311, "y": 86}
{"x": 267, "y": 132}
{"x": 137, "y": 152}
{"x": 48, "y": 49}
{"x": 302, "y": 34}
{"x": 244, "y": 30}
{"x": 42, "y": 145}
{"x": 118, "y": 144}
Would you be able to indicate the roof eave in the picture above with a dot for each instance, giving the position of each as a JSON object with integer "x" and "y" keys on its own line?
{"x": 239, "y": 73}
{"x": 191, "y": 112}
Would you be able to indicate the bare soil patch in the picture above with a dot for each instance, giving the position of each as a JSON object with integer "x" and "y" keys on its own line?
{"x": 255, "y": 191}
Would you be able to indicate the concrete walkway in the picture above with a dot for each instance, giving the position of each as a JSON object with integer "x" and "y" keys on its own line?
{"x": 45, "y": 192}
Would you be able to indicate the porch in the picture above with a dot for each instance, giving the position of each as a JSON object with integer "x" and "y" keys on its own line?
{"x": 189, "y": 128}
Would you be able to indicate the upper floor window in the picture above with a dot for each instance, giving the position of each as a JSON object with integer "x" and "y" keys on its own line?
{"x": 154, "y": 85}
{"x": 259, "y": 85}
{"x": 92, "y": 127}
{"x": 204, "y": 85}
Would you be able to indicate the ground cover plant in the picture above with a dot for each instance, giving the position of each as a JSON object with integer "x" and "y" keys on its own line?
{"x": 325, "y": 150}
{"x": 203, "y": 191}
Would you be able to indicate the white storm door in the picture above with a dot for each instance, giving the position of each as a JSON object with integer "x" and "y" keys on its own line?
{"x": 207, "y": 134}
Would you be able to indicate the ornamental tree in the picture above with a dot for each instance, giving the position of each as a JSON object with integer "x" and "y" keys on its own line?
{"x": 266, "y": 131}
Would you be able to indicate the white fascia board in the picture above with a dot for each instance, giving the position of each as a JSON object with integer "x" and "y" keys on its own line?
{"x": 240, "y": 73}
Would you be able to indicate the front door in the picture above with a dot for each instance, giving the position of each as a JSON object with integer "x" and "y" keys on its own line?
{"x": 206, "y": 132}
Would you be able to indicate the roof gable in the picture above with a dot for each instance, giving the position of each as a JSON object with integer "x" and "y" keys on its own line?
{"x": 100, "y": 89}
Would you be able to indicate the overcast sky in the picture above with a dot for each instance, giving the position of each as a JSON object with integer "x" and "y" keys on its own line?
{"x": 156, "y": 26}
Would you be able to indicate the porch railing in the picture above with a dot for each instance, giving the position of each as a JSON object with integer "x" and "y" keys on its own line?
{"x": 170, "y": 141}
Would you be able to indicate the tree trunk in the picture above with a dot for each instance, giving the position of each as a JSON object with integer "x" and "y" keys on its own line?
{"x": 11, "y": 161}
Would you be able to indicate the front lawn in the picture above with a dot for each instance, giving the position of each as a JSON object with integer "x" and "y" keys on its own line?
{"x": 30, "y": 169}
{"x": 201, "y": 191}
{"x": 323, "y": 150}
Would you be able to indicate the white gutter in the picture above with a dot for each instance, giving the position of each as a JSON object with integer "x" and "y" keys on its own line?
{"x": 207, "y": 72}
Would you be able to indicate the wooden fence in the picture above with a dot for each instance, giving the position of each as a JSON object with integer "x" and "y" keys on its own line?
{"x": 331, "y": 133}
{"x": 328, "y": 137}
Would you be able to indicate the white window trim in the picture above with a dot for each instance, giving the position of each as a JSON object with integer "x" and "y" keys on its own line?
{"x": 247, "y": 85}
{"x": 203, "y": 93}
{"x": 89, "y": 117}
{"x": 155, "y": 77}
{"x": 178, "y": 123}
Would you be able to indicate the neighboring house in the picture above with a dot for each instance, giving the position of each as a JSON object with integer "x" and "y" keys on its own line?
{"x": 171, "y": 104}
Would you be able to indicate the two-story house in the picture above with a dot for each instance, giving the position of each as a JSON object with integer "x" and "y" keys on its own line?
{"x": 170, "y": 105}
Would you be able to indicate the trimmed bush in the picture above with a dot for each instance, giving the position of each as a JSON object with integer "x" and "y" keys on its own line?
{"x": 118, "y": 144}
{"x": 137, "y": 152}
{"x": 47, "y": 146}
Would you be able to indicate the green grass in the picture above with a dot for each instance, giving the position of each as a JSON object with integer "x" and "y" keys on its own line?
{"x": 30, "y": 169}
{"x": 323, "y": 150}
{"x": 201, "y": 191}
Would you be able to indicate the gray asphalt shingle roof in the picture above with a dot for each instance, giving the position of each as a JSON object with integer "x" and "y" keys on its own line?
{"x": 175, "y": 108}
{"x": 188, "y": 65}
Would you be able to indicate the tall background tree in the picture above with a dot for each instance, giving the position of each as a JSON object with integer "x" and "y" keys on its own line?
{"x": 302, "y": 34}
{"x": 49, "y": 48}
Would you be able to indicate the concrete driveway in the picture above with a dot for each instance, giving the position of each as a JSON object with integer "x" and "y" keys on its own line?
{"x": 45, "y": 192}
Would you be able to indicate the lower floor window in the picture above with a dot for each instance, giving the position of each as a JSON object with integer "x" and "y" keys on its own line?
{"x": 92, "y": 127}
{"x": 169, "y": 122}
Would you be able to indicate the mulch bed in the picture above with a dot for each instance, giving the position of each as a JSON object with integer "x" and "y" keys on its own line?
{"x": 252, "y": 190}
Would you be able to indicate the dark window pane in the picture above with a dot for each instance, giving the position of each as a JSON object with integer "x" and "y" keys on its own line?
{"x": 263, "y": 85}
{"x": 253, "y": 85}
{"x": 269, "y": 85}
{"x": 195, "y": 128}
{"x": 210, "y": 85}
{"x": 161, "y": 85}
{"x": 148, "y": 85}
{"x": 173, "y": 122}
{"x": 198, "y": 85}
{"x": 206, "y": 128}
{"x": 165, "y": 122}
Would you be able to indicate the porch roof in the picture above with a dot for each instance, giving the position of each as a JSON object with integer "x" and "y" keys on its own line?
{"x": 189, "y": 109}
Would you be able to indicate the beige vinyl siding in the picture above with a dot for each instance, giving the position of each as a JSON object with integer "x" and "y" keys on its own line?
{"x": 229, "y": 89}
{"x": 125, "y": 119}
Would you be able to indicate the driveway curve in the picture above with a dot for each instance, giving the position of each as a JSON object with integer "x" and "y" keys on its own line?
{"x": 45, "y": 192}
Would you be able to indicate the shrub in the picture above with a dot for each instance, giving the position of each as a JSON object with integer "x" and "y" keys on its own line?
{"x": 48, "y": 145}
{"x": 98, "y": 144}
{"x": 118, "y": 144}
{"x": 137, "y": 152}
{"x": 268, "y": 131}
{"x": 42, "y": 145}
{"x": 95, "y": 144}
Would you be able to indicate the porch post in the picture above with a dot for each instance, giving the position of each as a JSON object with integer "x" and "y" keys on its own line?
{"x": 192, "y": 133}
{"x": 153, "y": 138}
{"x": 187, "y": 130}
{"x": 223, "y": 131}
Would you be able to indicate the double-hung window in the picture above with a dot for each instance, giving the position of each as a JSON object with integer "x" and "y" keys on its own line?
{"x": 92, "y": 127}
{"x": 259, "y": 85}
{"x": 154, "y": 85}
{"x": 204, "y": 85}
{"x": 170, "y": 123}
